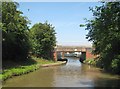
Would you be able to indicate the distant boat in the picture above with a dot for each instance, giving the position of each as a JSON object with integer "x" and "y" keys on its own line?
{"x": 81, "y": 60}
{"x": 62, "y": 59}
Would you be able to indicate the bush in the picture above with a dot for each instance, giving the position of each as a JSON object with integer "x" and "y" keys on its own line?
{"x": 115, "y": 65}
{"x": 0, "y": 76}
{"x": 90, "y": 61}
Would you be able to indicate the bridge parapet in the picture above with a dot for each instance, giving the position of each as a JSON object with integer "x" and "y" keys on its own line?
{"x": 71, "y": 49}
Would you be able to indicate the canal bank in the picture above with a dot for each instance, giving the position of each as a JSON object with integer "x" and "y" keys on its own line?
{"x": 53, "y": 64}
{"x": 25, "y": 69}
{"x": 73, "y": 74}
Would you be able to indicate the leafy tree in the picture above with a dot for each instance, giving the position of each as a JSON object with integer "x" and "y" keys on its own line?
{"x": 15, "y": 43}
{"x": 43, "y": 40}
{"x": 104, "y": 31}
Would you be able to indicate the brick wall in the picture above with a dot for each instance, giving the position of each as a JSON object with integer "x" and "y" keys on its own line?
{"x": 89, "y": 55}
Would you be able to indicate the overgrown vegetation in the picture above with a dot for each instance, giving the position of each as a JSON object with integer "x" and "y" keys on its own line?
{"x": 15, "y": 43}
{"x": 104, "y": 32}
{"x": 90, "y": 62}
{"x": 43, "y": 40}
{"x": 19, "y": 43}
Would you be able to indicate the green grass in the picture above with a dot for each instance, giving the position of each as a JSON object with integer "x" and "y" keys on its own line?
{"x": 23, "y": 68}
{"x": 0, "y": 76}
{"x": 8, "y": 73}
{"x": 43, "y": 61}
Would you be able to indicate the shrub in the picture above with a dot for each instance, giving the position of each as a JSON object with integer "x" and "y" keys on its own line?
{"x": 115, "y": 65}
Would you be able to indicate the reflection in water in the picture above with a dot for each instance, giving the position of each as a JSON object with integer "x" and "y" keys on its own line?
{"x": 73, "y": 74}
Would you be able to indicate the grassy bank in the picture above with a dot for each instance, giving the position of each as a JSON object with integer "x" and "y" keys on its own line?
{"x": 19, "y": 68}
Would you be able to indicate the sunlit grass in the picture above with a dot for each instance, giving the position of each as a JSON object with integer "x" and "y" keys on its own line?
{"x": 43, "y": 61}
{"x": 0, "y": 76}
{"x": 16, "y": 71}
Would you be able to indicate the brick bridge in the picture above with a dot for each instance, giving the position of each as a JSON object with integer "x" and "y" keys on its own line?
{"x": 86, "y": 51}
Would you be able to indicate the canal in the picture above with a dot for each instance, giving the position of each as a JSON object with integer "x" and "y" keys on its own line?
{"x": 73, "y": 74}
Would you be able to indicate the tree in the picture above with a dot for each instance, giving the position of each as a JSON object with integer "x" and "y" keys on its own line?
{"x": 43, "y": 40}
{"x": 15, "y": 43}
{"x": 104, "y": 31}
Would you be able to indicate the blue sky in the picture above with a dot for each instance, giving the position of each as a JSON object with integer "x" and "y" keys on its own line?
{"x": 64, "y": 16}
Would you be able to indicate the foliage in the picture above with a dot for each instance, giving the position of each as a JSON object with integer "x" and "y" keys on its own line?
{"x": 18, "y": 42}
{"x": 104, "y": 31}
{"x": 24, "y": 69}
{"x": 15, "y": 43}
{"x": 90, "y": 62}
{"x": 43, "y": 40}
{"x": 43, "y": 61}
{"x": 0, "y": 76}
{"x": 116, "y": 65}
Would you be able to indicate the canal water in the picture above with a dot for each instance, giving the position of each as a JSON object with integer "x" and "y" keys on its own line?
{"x": 73, "y": 74}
